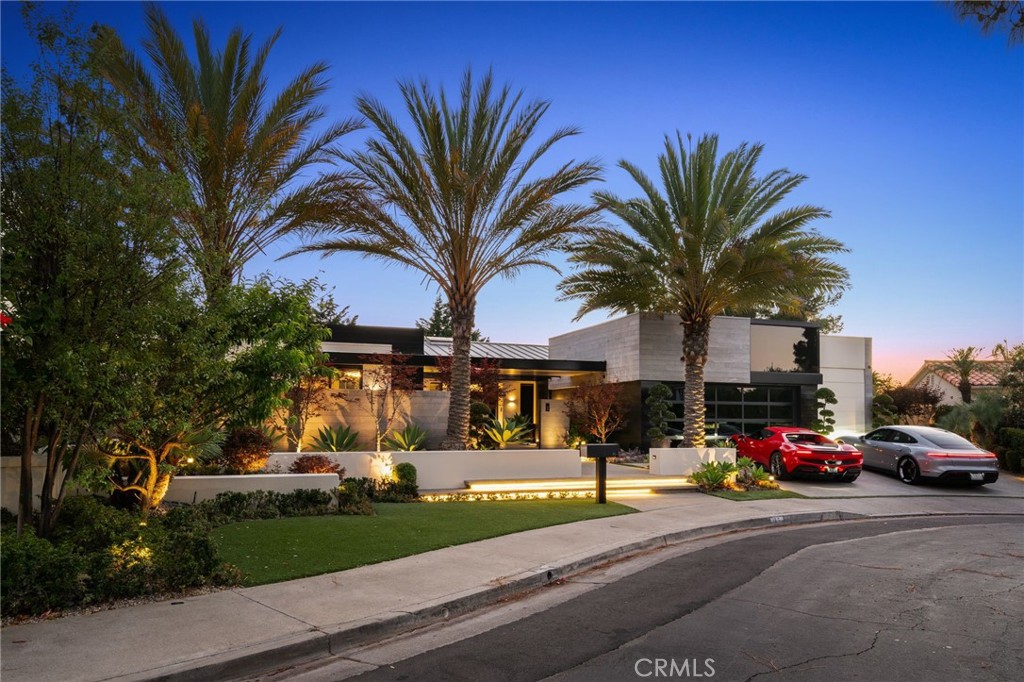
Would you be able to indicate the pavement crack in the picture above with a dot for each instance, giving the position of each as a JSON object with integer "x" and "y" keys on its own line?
{"x": 775, "y": 669}
{"x": 286, "y": 615}
{"x": 805, "y": 613}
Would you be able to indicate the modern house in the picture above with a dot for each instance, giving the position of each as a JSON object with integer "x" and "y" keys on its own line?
{"x": 940, "y": 376}
{"x": 759, "y": 372}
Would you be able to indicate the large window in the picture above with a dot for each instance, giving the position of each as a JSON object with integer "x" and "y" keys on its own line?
{"x": 749, "y": 408}
{"x": 777, "y": 348}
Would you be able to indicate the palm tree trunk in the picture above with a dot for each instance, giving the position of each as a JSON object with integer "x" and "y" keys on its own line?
{"x": 463, "y": 313}
{"x": 696, "y": 336}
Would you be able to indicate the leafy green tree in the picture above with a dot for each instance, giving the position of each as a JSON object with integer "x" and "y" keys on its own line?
{"x": 249, "y": 160}
{"x": 882, "y": 383}
{"x": 978, "y": 420}
{"x": 225, "y": 365}
{"x": 440, "y": 323}
{"x": 914, "y": 404}
{"x": 708, "y": 243}
{"x": 963, "y": 362}
{"x": 462, "y": 201}
{"x": 596, "y": 409}
{"x": 88, "y": 262}
{"x": 1012, "y": 382}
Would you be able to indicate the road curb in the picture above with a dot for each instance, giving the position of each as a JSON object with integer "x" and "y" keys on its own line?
{"x": 316, "y": 643}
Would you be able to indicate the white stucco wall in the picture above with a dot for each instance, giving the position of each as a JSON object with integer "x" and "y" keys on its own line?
{"x": 846, "y": 369}
{"x": 10, "y": 481}
{"x": 449, "y": 470}
{"x": 685, "y": 461}
{"x": 192, "y": 489}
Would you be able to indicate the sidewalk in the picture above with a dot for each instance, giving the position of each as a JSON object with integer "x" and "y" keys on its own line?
{"x": 230, "y": 633}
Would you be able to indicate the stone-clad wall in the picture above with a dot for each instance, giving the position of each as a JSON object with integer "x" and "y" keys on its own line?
{"x": 648, "y": 347}
{"x": 661, "y": 347}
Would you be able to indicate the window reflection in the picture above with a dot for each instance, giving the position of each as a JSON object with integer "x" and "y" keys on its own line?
{"x": 783, "y": 349}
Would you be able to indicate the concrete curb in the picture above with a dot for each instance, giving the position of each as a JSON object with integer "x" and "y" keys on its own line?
{"x": 317, "y": 643}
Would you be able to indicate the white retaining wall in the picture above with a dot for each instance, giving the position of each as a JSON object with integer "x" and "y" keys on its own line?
{"x": 449, "y": 470}
{"x": 191, "y": 489}
{"x": 684, "y": 461}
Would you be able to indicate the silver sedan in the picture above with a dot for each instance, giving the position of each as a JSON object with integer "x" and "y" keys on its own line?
{"x": 914, "y": 453}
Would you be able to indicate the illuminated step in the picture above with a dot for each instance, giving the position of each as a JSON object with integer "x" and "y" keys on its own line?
{"x": 569, "y": 484}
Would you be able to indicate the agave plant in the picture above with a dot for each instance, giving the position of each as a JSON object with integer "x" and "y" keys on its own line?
{"x": 410, "y": 438}
{"x": 341, "y": 439}
{"x": 512, "y": 431}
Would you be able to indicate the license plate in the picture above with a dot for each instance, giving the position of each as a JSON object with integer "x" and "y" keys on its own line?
{"x": 833, "y": 470}
{"x": 977, "y": 477}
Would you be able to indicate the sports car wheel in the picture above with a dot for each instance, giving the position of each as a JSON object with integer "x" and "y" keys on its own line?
{"x": 778, "y": 467}
{"x": 908, "y": 471}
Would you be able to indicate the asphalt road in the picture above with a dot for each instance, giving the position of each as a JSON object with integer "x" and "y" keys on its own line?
{"x": 913, "y": 599}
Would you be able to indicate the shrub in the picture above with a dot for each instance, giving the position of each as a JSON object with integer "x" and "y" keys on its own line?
{"x": 100, "y": 553}
{"x": 631, "y": 456}
{"x": 341, "y": 439}
{"x": 39, "y": 576}
{"x": 713, "y": 476}
{"x": 353, "y": 499}
{"x": 316, "y": 464}
{"x": 479, "y": 417}
{"x": 512, "y": 431}
{"x": 400, "y": 488}
{"x": 1010, "y": 449}
{"x": 229, "y": 507}
{"x": 246, "y": 450}
{"x": 408, "y": 439}
{"x": 405, "y": 472}
{"x": 751, "y": 475}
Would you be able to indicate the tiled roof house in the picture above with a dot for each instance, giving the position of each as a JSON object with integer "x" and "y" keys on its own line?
{"x": 939, "y": 375}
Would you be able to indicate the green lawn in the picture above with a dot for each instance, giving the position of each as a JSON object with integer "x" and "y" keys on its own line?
{"x": 283, "y": 549}
{"x": 739, "y": 496}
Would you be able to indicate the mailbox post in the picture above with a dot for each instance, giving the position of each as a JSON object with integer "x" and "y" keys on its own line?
{"x": 600, "y": 452}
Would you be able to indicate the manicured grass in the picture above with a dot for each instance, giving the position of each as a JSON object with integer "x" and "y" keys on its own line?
{"x": 283, "y": 549}
{"x": 747, "y": 496}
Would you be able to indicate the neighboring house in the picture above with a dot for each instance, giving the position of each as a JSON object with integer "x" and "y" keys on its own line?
{"x": 937, "y": 374}
{"x": 759, "y": 372}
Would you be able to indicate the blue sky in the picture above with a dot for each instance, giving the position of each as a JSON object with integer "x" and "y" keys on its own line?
{"x": 909, "y": 124}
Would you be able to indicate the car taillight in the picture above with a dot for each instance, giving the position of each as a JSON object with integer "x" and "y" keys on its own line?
{"x": 963, "y": 455}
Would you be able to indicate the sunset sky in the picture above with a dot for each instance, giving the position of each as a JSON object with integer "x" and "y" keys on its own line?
{"x": 909, "y": 124}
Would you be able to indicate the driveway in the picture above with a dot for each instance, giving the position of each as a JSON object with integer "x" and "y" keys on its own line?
{"x": 873, "y": 484}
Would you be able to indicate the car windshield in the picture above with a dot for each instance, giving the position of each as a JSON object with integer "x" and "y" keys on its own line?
{"x": 945, "y": 439}
{"x": 812, "y": 438}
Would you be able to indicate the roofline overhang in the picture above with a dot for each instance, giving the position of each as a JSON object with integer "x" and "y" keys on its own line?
{"x": 505, "y": 363}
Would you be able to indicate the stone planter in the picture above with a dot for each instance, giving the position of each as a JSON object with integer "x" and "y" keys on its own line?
{"x": 684, "y": 461}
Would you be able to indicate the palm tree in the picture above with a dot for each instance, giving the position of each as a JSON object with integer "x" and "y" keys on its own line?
{"x": 244, "y": 157}
{"x": 709, "y": 245}
{"x": 962, "y": 362}
{"x": 454, "y": 201}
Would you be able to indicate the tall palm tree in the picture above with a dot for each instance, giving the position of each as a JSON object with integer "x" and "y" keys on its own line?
{"x": 708, "y": 245}
{"x": 962, "y": 362}
{"x": 457, "y": 200}
{"x": 245, "y": 157}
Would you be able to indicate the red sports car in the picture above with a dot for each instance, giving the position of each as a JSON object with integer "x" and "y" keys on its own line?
{"x": 788, "y": 451}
